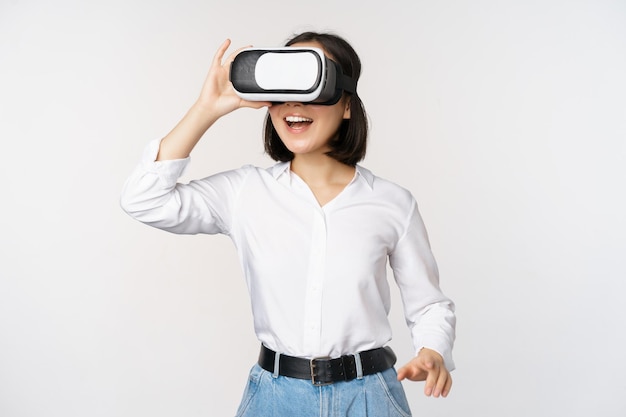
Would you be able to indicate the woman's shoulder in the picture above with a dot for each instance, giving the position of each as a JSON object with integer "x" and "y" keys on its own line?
{"x": 248, "y": 175}
{"x": 385, "y": 187}
{"x": 247, "y": 170}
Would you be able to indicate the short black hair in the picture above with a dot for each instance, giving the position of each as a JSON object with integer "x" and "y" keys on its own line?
{"x": 351, "y": 143}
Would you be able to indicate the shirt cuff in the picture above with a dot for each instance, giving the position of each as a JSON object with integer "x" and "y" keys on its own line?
{"x": 168, "y": 171}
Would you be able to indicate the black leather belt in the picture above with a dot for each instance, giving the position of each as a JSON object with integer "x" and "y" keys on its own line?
{"x": 324, "y": 371}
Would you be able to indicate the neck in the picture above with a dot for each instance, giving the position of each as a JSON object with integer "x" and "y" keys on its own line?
{"x": 321, "y": 170}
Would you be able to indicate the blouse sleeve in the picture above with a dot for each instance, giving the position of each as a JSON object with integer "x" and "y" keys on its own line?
{"x": 153, "y": 195}
{"x": 429, "y": 313}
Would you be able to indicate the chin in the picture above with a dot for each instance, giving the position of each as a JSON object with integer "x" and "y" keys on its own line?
{"x": 297, "y": 146}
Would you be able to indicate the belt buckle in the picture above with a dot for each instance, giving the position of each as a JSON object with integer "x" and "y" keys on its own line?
{"x": 313, "y": 366}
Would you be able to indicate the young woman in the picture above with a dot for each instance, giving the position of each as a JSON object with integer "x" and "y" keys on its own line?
{"x": 313, "y": 233}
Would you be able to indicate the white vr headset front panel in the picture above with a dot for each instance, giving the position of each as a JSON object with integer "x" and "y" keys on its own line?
{"x": 298, "y": 71}
{"x": 279, "y": 74}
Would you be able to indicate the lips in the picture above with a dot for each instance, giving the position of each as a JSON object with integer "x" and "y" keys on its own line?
{"x": 298, "y": 122}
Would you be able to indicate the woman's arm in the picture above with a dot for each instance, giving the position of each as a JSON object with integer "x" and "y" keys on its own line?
{"x": 217, "y": 98}
{"x": 152, "y": 194}
{"x": 429, "y": 313}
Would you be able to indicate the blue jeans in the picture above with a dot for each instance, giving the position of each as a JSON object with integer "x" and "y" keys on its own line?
{"x": 378, "y": 395}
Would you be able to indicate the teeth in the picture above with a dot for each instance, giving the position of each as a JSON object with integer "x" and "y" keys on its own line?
{"x": 297, "y": 119}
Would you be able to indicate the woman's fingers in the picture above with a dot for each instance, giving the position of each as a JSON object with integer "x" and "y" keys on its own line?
{"x": 431, "y": 378}
{"x": 219, "y": 55}
{"x": 444, "y": 380}
{"x": 447, "y": 387}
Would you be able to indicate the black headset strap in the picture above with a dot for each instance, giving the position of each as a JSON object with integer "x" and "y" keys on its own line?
{"x": 347, "y": 83}
{"x": 344, "y": 82}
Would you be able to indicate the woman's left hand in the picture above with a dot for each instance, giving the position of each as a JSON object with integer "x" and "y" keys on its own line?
{"x": 428, "y": 366}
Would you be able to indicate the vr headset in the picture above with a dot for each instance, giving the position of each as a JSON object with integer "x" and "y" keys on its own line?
{"x": 303, "y": 75}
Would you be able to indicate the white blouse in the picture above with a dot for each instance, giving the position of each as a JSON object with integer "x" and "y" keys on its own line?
{"x": 317, "y": 276}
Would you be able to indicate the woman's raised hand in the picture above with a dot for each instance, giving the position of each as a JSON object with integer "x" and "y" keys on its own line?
{"x": 218, "y": 96}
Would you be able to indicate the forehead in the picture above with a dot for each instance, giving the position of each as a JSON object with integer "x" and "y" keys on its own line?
{"x": 313, "y": 44}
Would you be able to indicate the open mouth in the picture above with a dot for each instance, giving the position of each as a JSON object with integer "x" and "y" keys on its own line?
{"x": 297, "y": 122}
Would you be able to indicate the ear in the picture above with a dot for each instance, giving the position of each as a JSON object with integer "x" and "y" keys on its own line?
{"x": 346, "y": 110}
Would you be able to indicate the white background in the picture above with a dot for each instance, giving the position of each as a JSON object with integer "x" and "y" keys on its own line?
{"x": 506, "y": 119}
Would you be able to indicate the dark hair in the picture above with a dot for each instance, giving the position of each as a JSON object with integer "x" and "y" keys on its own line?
{"x": 351, "y": 143}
